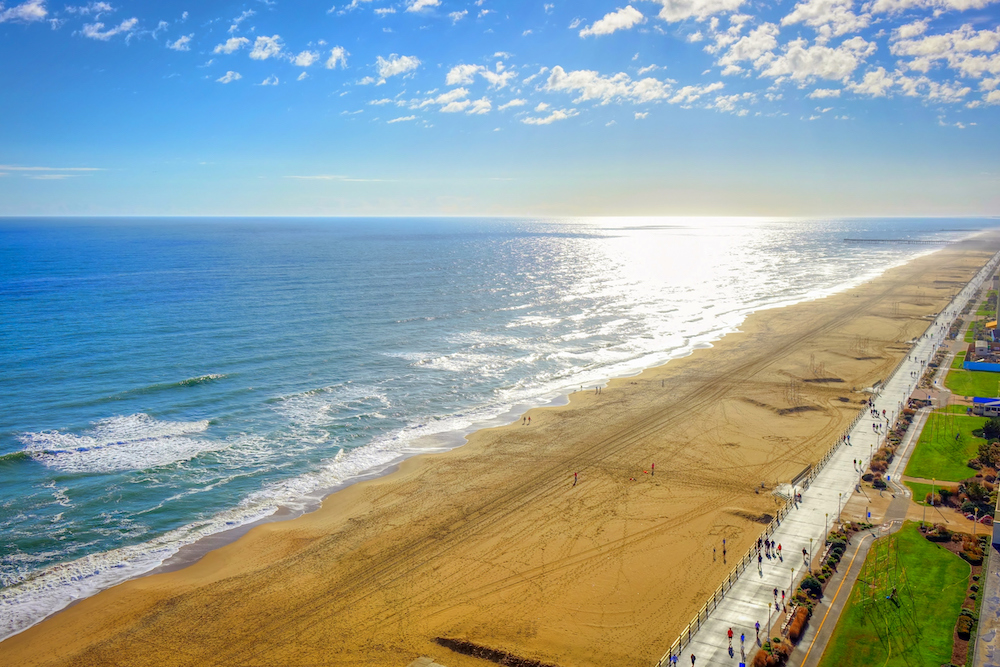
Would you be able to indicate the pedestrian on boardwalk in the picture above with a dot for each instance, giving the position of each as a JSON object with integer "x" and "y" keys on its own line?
{"x": 692, "y": 660}
{"x": 730, "y": 637}
{"x": 757, "y": 627}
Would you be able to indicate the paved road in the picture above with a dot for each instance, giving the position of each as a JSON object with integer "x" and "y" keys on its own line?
{"x": 751, "y": 598}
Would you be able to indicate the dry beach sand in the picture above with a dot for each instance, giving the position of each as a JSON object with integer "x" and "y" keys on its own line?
{"x": 492, "y": 543}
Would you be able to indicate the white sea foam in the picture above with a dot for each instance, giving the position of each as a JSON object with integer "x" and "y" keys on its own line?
{"x": 133, "y": 442}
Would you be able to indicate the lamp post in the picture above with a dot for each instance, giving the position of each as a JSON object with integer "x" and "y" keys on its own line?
{"x": 810, "y": 555}
{"x": 826, "y": 528}
{"x": 840, "y": 501}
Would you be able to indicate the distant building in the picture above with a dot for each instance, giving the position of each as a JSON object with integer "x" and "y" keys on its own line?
{"x": 986, "y": 407}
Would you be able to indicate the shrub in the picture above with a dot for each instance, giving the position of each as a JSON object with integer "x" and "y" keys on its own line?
{"x": 812, "y": 587}
{"x": 991, "y": 429}
{"x": 879, "y": 483}
{"x": 968, "y": 507}
{"x": 798, "y": 624}
{"x": 867, "y": 477}
{"x": 932, "y": 499}
{"x": 879, "y": 466}
{"x": 976, "y": 491}
{"x": 838, "y": 546}
{"x": 938, "y": 534}
{"x": 964, "y": 627}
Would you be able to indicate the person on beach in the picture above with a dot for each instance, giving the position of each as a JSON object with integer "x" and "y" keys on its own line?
{"x": 652, "y": 468}
{"x": 575, "y": 475}
{"x": 529, "y": 421}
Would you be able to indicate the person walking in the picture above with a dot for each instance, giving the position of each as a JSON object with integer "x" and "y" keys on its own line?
{"x": 730, "y": 637}
{"x": 757, "y": 628}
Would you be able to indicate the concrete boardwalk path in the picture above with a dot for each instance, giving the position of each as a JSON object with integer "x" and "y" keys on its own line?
{"x": 751, "y": 598}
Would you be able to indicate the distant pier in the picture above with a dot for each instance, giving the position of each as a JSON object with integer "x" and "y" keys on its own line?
{"x": 905, "y": 241}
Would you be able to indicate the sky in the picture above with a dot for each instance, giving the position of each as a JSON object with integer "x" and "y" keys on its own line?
{"x": 486, "y": 107}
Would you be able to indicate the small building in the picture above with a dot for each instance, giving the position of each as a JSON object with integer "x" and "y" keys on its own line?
{"x": 986, "y": 407}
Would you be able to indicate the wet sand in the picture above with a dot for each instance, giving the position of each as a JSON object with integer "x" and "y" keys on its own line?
{"x": 492, "y": 542}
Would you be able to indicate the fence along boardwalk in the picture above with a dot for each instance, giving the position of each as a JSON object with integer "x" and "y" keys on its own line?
{"x": 737, "y": 601}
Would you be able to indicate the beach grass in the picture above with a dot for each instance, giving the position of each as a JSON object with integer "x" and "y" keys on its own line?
{"x": 973, "y": 383}
{"x": 922, "y": 633}
{"x": 939, "y": 454}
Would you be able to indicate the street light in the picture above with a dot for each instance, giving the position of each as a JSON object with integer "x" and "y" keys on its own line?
{"x": 840, "y": 500}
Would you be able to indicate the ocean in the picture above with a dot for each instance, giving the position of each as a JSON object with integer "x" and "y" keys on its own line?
{"x": 165, "y": 380}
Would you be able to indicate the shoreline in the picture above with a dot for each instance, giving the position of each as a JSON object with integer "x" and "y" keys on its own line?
{"x": 191, "y": 553}
{"x": 582, "y": 399}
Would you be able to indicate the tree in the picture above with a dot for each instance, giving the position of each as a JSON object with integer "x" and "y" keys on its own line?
{"x": 991, "y": 429}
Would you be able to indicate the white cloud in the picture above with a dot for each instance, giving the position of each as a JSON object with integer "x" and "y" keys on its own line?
{"x": 729, "y": 103}
{"x": 558, "y": 114}
{"x": 401, "y": 119}
{"x": 378, "y": 103}
{"x": 183, "y": 43}
{"x": 875, "y": 83}
{"x": 26, "y": 12}
{"x": 639, "y": 115}
{"x": 456, "y": 106}
{"x": 384, "y": 11}
{"x": 590, "y": 85}
{"x": 232, "y": 44}
{"x": 240, "y": 19}
{"x": 695, "y": 37}
{"x": 896, "y": 6}
{"x": 512, "y": 103}
{"x": 830, "y": 18}
{"x": 394, "y": 65}
{"x": 753, "y": 47}
{"x": 911, "y": 30}
{"x": 367, "y": 81}
{"x": 419, "y": 5}
{"x": 303, "y": 76}
{"x": 822, "y": 93}
{"x": 270, "y": 81}
{"x": 805, "y": 63}
{"x": 649, "y": 68}
{"x": 266, "y": 47}
{"x": 689, "y": 94}
{"x": 94, "y": 8}
{"x": 480, "y": 107}
{"x": 623, "y": 19}
{"x": 97, "y": 31}
{"x": 992, "y": 97}
{"x": 484, "y": 12}
{"x": 462, "y": 74}
{"x": 678, "y": 10}
{"x": 458, "y": 16}
{"x": 955, "y": 48}
{"x": 305, "y": 58}
{"x": 229, "y": 77}
{"x": 338, "y": 56}
{"x": 542, "y": 106}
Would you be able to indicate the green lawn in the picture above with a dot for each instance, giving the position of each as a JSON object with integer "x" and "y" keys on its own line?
{"x": 969, "y": 335}
{"x": 959, "y": 360}
{"x": 920, "y": 491}
{"x": 938, "y": 454}
{"x": 973, "y": 383}
{"x": 954, "y": 409}
{"x": 922, "y": 633}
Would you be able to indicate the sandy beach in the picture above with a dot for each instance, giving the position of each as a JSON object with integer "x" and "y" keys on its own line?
{"x": 494, "y": 544}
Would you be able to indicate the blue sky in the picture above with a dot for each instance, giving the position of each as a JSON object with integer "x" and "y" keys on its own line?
{"x": 484, "y": 107}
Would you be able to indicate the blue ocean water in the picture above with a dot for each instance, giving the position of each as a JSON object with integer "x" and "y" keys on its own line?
{"x": 164, "y": 380}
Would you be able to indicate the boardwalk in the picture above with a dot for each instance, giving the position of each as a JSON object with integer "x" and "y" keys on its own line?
{"x": 751, "y": 598}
